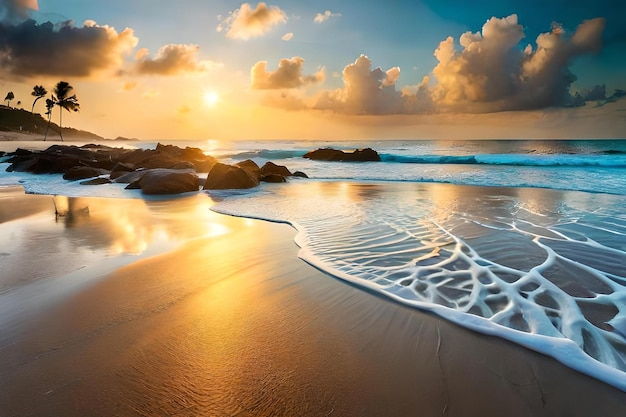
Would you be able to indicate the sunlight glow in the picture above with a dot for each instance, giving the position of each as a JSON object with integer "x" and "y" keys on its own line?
{"x": 211, "y": 98}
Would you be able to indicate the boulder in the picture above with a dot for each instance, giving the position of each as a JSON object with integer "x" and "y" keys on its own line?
{"x": 168, "y": 181}
{"x": 275, "y": 178}
{"x": 329, "y": 154}
{"x": 130, "y": 177}
{"x": 251, "y": 167}
{"x": 96, "y": 181}
{"x": 272, "y": 168}
{"x": 82, "y": 172}
{"x": 225, "y": 177}
{"x": 300, "y": 174}
{"x": 121, "y": 169}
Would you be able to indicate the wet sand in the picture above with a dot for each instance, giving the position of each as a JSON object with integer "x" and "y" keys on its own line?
{"x": 232, "y": 323}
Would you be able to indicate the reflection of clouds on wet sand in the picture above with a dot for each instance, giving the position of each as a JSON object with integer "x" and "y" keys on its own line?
{"x": 59, "y": 235}
{"x": 122, "y": 226}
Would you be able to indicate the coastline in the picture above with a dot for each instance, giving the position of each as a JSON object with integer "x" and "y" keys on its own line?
{"x": 225, "y": 323}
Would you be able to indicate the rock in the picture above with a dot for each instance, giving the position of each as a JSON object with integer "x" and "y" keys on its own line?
{"x": 251, "y": 167}
{"x": 159, "y": 160}
{"x": 272, "y": 168}
{"x": 120, "y": 169}
{"x": 130, "y": 177}
{"x": 133, "y": 186}
{"x": 275, "y": 178}
{"x": 168, "y": 181}
{"x": 329, "y": 154}
{"x": 82, "y": 172}
{"x": 96, "y": 181}
{"x": 300, "y": 174}
{"x": 225, "y": 177}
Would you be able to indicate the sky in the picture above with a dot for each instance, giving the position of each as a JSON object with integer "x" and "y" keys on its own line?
{"x": 329, "y": 70}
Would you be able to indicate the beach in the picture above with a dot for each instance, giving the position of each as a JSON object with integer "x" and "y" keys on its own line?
{"x": 191, "y": 312}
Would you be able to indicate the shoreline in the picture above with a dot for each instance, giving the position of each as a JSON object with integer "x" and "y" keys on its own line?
{"x": 226, "y": 323}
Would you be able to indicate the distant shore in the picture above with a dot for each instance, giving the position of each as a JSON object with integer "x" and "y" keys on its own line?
{"x": 11, "y": 136}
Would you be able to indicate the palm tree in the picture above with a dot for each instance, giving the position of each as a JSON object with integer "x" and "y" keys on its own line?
{"x": 64, "y": 101}
{"x": 10, "y": 96}
{"x": 38, "y": 92}
{"x": 49, "y": 106}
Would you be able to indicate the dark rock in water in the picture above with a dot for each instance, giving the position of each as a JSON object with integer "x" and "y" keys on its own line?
{"x": 225, "y": 177}
{"x": 152, "y": 170}
{"x": 300, "y": 174}
{"x": 329, "y": 154}
{"x": 133, "y": 186}
{"x": 120, "y": 169}
{"x": 251, "y": 167}
{"x": 96, "y": 181}
{"x": 168, "y": 181}
{"x": 80, "y": 173}
{"x": 271, "y": 168}
{"x": 276, "y": 178}
{"x": 130, "y": 177}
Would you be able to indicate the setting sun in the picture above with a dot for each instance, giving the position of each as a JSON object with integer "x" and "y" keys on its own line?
{"x": 211, "y": 98}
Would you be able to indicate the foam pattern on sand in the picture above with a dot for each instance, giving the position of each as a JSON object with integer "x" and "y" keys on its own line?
{"x": 544, "y": 269}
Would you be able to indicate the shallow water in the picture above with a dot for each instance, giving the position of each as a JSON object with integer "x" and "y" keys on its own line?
{"x": 539, "y": 267}
{"x": 525, "y": 240}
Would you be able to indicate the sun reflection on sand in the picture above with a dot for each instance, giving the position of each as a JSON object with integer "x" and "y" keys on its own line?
{"x": 80, "y": 232}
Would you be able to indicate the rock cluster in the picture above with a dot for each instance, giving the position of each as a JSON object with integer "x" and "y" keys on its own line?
{"x": 167, "y": 169}
{"x": 330, "y": 154}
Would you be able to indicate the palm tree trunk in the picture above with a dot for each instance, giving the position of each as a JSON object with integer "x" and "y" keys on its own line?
{"x": 48, "y": 127}
{"x": 61, "y": 123}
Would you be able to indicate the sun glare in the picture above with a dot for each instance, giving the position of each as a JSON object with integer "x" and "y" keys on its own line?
{"x": 211, "y": 98}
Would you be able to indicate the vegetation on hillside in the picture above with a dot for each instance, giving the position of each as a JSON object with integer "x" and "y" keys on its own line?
{"x": 19, "y": 120}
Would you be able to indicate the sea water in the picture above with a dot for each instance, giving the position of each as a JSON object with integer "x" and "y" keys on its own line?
{"x": 525, "y": 240}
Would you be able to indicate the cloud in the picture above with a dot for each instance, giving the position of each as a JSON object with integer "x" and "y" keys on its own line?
{"x": 184, "y": 110}
{"x": 287, "y": 75}
{"x": 17, "y": 10}
{"x": 372, "y": 91}
{"x": 245, "y": 22}
{"x": 173, "y": 59}
{"x": 284, "y": 101}
{"x": 29, "y": 49}
{"x": 130, "y": 85}
{"x": 287, "y": 36}
{"x": 322, "y": 17}
{"x": 151, "y": 93}
{"x": 491, "y": 73}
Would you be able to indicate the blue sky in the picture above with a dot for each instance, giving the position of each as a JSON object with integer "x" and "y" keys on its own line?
{"x": 372, "y": 66}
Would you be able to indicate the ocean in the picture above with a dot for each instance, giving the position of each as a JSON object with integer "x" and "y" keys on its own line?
{"x": 524, "y": 240}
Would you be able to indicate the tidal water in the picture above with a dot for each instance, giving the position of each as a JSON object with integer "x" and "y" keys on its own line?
{"x": 525, "y": 240}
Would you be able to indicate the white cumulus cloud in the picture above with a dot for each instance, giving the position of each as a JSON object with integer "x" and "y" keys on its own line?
{"x": 322, "y": 17}
{"x": 247, "y": 22}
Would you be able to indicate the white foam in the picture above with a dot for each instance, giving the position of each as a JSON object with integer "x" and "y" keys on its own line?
{"x": 509, "y": 265}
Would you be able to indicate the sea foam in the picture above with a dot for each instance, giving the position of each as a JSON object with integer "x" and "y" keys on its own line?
{"x": 540, "y": 268}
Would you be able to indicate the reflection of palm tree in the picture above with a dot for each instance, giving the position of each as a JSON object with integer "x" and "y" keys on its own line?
{"x": 49, "y": 107}
{"x": 64, "y": 101}
{"x": 39, "y": 92}
{"x": 10, "y": 96}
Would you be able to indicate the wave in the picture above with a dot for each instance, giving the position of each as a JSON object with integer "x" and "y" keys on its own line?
{"x": 546, "y": 274}
{"x": 615, "y": 160}
{"x": 271, "y": 154}
{"x": 609, "y": 159}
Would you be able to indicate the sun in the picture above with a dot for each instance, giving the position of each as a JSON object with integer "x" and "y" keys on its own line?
{"x": 211, "y": 98}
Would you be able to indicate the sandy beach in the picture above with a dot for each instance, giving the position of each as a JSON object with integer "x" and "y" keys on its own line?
{"x": 193, "y": 313}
